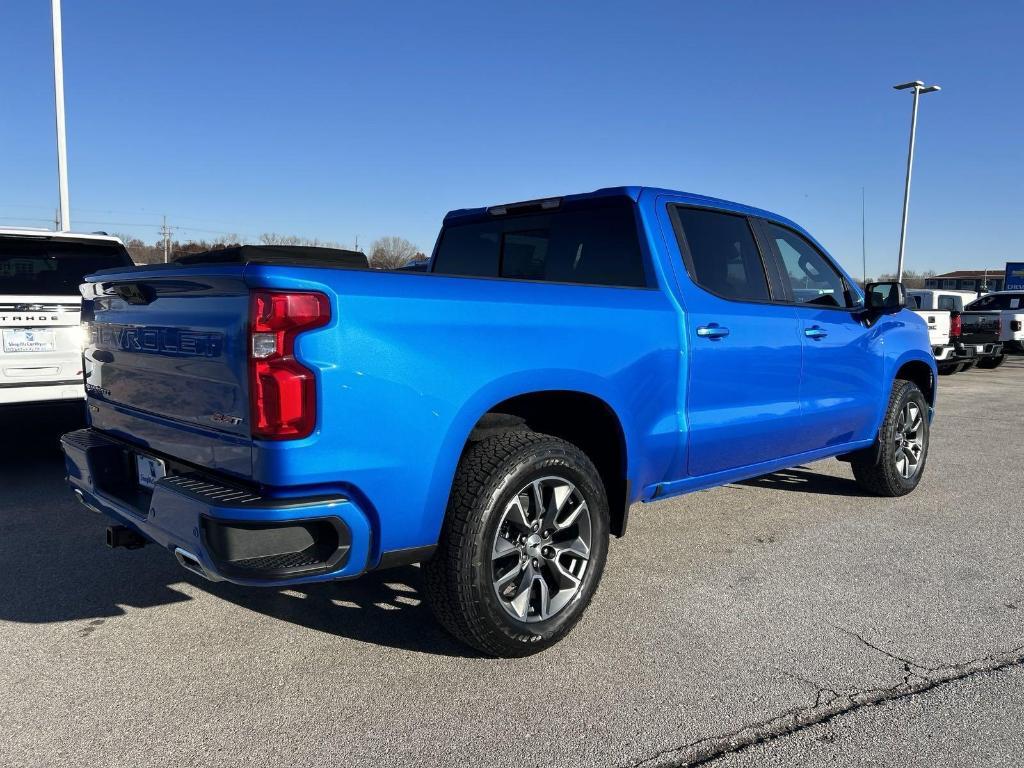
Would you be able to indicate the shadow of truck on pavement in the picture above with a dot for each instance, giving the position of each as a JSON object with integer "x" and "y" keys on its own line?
{"x": 55, "y": 565}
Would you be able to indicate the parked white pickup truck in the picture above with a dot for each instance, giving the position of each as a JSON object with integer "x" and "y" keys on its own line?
{"x": 941, "y": 311}
{"x": 40, "y": 309}
{"x": 950, "y": 301}
{"x": 1009, "y": 306}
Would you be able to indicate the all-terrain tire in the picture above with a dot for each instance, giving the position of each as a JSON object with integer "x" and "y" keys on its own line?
{"x": 878, "y": 468}
{"x": 459, "y": 578}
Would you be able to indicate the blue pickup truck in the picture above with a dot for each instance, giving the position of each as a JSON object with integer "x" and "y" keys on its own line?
{"x": 272, "y": 417}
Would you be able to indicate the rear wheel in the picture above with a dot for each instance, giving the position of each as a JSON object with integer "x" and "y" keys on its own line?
{"x": 991, "y": 362}
{"x": 895, "y": 464}
{"x": 968, "y": 365}
{"x": 949, "y": 370}
{"x": 523, "y": 545}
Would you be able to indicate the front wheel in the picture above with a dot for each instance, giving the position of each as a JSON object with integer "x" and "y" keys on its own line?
{"x": 523, "y": 545}
{"x": 895, "y": 464}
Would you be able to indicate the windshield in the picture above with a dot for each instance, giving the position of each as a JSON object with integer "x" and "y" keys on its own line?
{"x": 53, "y": 268}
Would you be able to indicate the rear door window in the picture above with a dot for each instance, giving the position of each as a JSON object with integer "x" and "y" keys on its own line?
{"x": 48, "y": 268}
{"x": 720, "y": 253}
{"x": 951, "y": 303}
{"x": 592, "y": 242}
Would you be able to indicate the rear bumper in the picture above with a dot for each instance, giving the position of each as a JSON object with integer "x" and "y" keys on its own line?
{"x": 944, "y": 353}
{"x": 17, "y": 392}
{"x": 987, "y": 349}
{"x": 220, "y": 531}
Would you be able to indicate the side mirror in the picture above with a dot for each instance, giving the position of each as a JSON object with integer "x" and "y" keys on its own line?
{"x": 885, "y": 298}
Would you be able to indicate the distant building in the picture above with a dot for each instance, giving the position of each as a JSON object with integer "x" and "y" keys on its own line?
{"x": 968, "y": 280}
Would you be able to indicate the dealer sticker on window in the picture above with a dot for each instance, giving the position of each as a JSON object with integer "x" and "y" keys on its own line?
{"x": 29, "y": 341}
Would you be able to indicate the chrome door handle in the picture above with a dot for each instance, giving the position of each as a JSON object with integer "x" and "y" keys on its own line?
{"x": 713, "y": 331}
{"x": 814, "y": 332}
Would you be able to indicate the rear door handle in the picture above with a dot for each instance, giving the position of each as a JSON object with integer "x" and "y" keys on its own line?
{"x": 712, "y": 331}
{"x": 814, "y": 332}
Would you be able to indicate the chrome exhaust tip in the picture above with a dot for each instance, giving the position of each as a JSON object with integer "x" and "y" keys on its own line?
{"x": 190, "y": 562}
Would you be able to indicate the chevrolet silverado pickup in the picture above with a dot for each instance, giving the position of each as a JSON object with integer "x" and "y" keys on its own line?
{"x": 271, "y": 420}
{"x": 40, "y": 331}
{"x": 1007, "y": 308}
{"x": 981, "y": 333}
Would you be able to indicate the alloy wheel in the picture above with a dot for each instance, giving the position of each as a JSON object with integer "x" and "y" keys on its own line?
{"x": 541, "y": 549}
{"x": 909, "y": 439}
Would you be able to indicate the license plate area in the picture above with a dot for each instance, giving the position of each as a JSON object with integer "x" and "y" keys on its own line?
{"x": 21, "y": 340}
{"x": 149, "y": 470}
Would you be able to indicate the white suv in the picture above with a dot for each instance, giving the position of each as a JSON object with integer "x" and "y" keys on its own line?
{"x": 40, "y": 310}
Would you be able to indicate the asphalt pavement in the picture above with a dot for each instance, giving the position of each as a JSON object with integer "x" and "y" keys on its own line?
{"x": 787, "y": 620}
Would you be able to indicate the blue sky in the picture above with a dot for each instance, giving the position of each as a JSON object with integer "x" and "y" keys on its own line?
{"x": 337, "y": 119}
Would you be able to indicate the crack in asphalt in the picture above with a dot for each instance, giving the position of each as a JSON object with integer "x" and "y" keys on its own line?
{"x": 829, "y": 704}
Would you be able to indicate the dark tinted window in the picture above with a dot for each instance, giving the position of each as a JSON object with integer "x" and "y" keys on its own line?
{"x": 812, "y": 278}
{"x": 468, "y": 249}
{"x": 593, "y": 242}
{"x": 723, "y": 257}
{"x": 950, "y": 303}
{"x": 994, "y": 301}
{"x": 52, "y": 268}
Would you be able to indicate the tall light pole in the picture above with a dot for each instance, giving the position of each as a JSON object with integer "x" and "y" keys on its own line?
{"x": 919, "y": 88}
{"x": 58, "y": 95}
{"x": 863, "y": 236}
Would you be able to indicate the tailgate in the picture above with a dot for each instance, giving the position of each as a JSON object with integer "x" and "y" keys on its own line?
{"x": 40, "y": 341}
{"x": 979, "y": 327}
{"x": 166, "y": 362}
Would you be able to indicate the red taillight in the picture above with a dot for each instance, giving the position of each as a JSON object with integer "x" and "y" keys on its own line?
{"x": 282, "y": 391}
{"x": 955, "y": 325}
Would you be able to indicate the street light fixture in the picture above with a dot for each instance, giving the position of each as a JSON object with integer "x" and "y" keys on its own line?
{"x": 918, "y": 87}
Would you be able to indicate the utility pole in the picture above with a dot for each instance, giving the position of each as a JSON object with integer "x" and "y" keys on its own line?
{"x": 863, "y": 241}
{"x": 166, "y": 232}
{"x": 919, "y": 88}
{"x": 58, "y": 95}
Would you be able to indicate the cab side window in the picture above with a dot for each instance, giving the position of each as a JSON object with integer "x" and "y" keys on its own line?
{"x": 720, "y": 254}
{"x": 812, "y": 279}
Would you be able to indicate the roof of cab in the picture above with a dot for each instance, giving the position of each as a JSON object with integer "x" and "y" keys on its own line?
{"x": 632, "y": 192}
{"x": 49, "y": 234}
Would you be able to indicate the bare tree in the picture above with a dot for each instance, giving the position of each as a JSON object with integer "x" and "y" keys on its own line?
{"x": 143, "y": 253}
{"x": 392, "y": 252}
{"x": 273, "y": 238}
{"x": 911, "y": 279}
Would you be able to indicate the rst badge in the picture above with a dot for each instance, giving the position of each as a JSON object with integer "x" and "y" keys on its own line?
{"x": 223, "y": 418}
